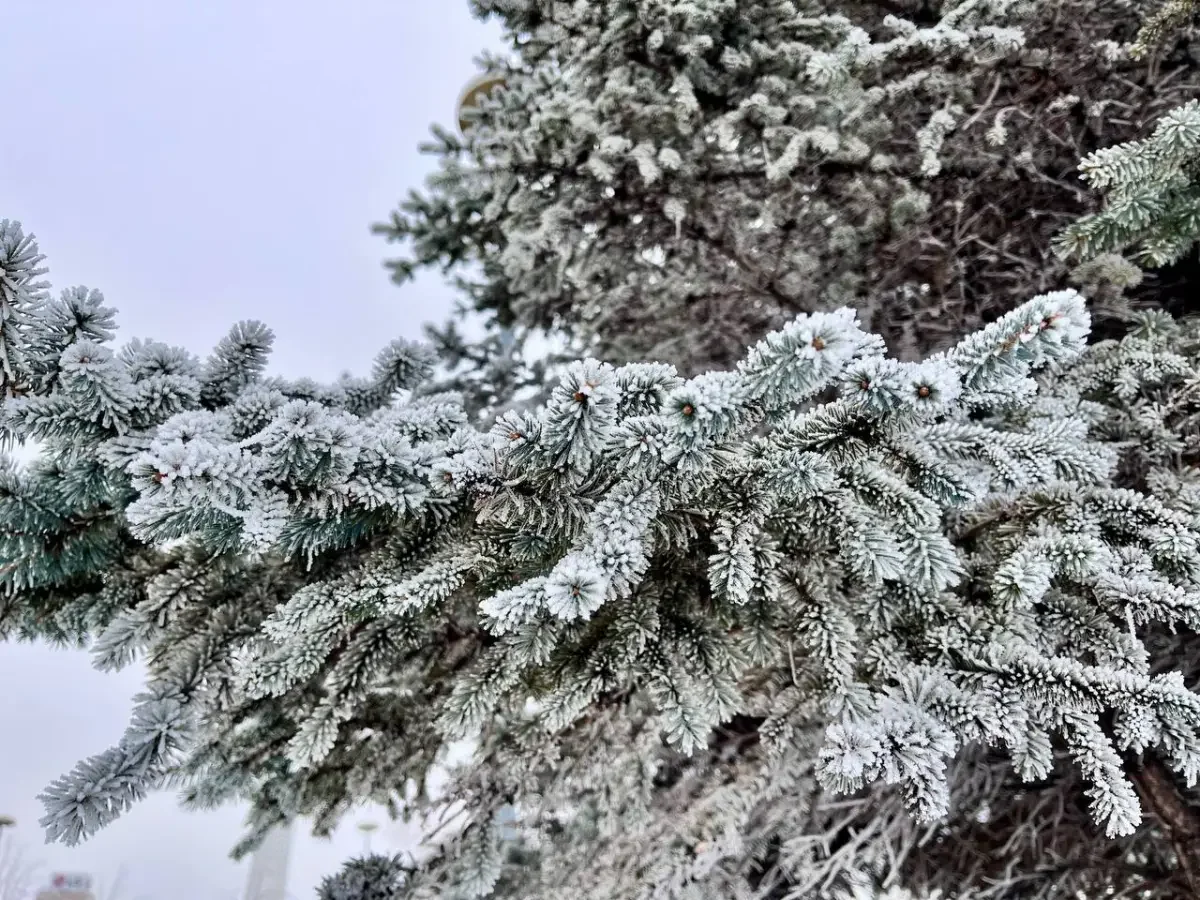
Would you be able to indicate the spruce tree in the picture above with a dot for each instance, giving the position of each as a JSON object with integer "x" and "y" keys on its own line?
{"x": 749, "y": 633}
{"x": 1152, "y": 188}
{"x": 373, "y": 877}
{"x": 670, "y": 180}
{"x": 822, "y": 623}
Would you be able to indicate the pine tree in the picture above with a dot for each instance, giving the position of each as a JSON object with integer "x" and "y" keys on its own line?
{"x": 670, "y": 180}
{"x": 749, "y": 633}
{"x": 373, "y": 877}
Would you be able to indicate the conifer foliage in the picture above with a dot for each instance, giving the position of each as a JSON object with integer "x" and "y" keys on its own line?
{"x": 678, "y": 617}
{"x": 671, "y": 179}
{"x": 1153, "y": 194}
{"x": 20, "y": 297}
{"x": 367, "y": 878}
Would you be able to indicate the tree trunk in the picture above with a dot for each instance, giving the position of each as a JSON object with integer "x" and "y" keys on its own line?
{"x": 1178, "y": 818}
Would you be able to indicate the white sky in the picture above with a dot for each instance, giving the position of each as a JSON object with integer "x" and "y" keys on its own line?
{"x": 202, "y": 163}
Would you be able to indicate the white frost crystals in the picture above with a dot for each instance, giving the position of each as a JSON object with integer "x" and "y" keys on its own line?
{"x": 873, "y": 567}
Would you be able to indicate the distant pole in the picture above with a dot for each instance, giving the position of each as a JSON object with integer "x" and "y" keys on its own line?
{"x": 6, "y": 822}
{"x": 478, "y": 88}
{"x": 267, "y": 879}
{"x": 467, "y": 112}
{"x": 366, "y": 828}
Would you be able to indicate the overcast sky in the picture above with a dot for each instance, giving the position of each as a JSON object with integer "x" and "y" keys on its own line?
{"x": 202, "y": 163}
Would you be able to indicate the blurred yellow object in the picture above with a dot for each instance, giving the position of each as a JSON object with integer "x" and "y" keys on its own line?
{"x": 477, "y": 89}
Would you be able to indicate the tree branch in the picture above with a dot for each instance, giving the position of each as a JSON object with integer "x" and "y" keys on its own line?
{"x": 1178, "y": 817}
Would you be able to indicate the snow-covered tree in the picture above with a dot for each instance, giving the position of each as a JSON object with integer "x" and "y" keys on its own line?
{"x": 750, "y": 633}
{"x": 374, "y": 877}
{"x": 670, "y": 179}
{"x": 1170, "y": 17}
{"x": 1153, "y": 192}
